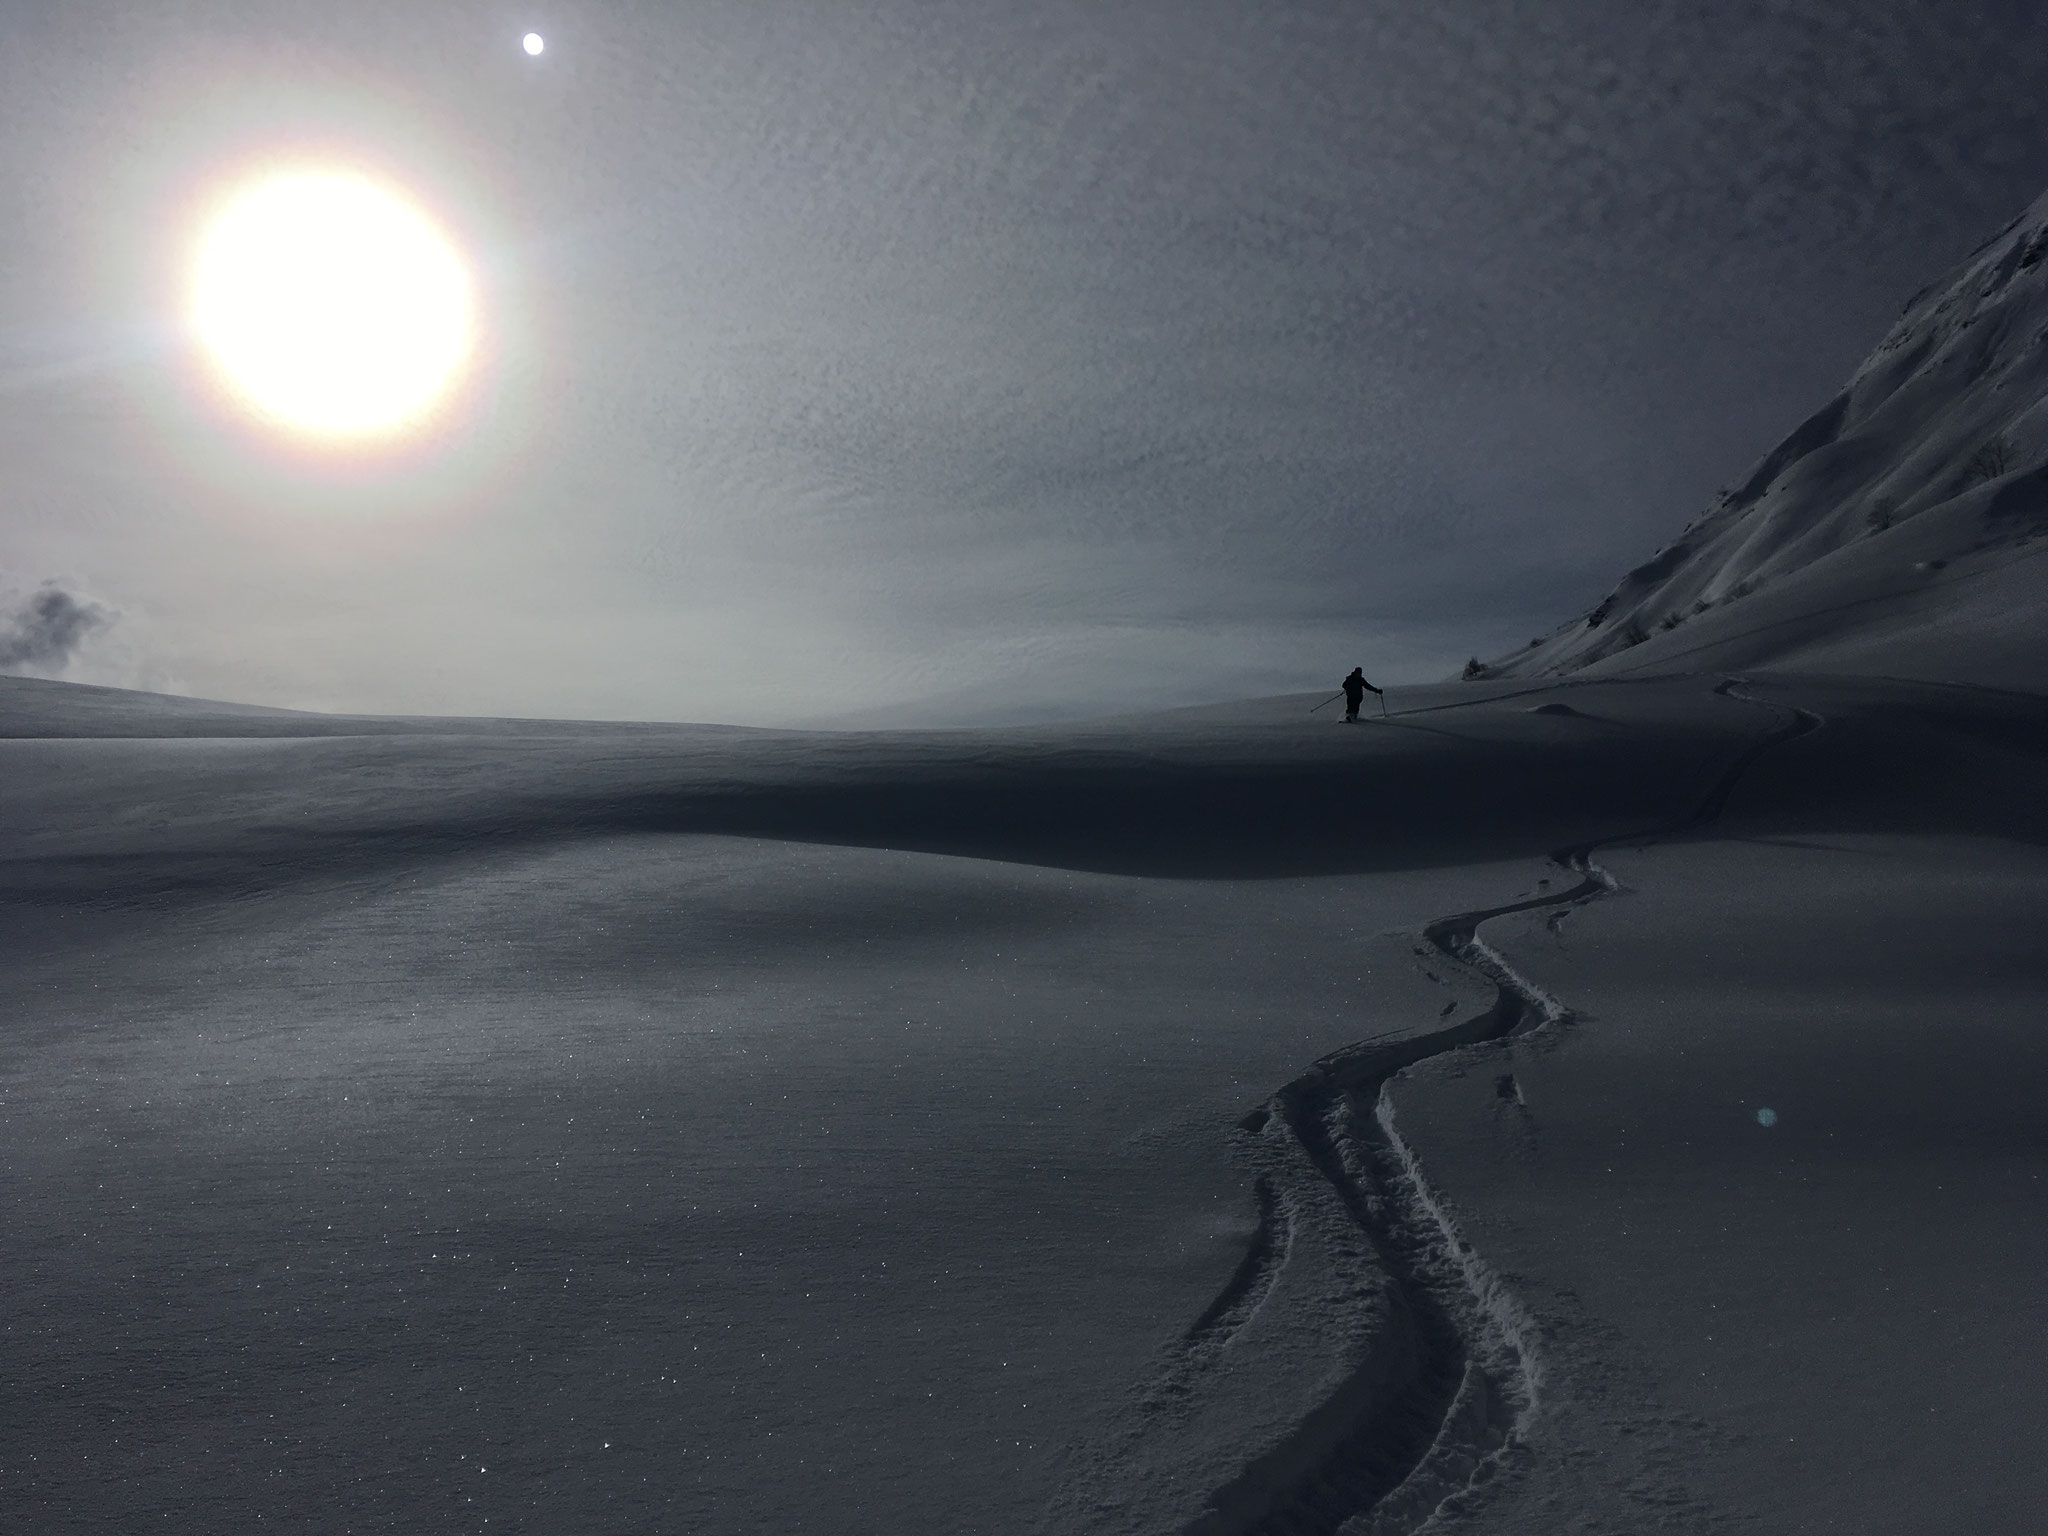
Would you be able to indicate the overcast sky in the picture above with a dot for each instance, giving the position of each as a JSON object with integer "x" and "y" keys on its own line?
{"x": 958, "y": 360}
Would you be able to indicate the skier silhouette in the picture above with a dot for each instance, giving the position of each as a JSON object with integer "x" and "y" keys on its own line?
{"x": 1354, "y": 693}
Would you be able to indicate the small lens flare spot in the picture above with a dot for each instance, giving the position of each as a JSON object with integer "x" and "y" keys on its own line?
{"x": 1767, "y": 1116}
{"x": 533, "y": 43}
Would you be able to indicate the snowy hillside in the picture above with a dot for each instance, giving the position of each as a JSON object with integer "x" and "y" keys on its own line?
{"x": 1897, "y": 530}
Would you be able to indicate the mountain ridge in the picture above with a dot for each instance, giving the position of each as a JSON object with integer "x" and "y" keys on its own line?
{"x": 1893, "y": 531}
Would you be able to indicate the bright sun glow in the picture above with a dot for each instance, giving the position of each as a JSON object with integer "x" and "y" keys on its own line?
{"x": 533, "y": 43}
{"x": 331, "y": 305}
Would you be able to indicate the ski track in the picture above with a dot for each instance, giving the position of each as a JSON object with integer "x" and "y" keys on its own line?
{"x": 1430, "y": 1410}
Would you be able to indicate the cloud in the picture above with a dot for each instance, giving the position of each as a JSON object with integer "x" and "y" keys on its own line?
{"x": 49, "y": 627}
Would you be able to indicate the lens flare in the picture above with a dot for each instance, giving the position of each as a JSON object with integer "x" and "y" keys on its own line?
{"x": 331, "y": 306}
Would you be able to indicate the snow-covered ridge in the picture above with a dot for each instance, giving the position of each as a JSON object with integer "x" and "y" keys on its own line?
{"x": 1933, "y": 456}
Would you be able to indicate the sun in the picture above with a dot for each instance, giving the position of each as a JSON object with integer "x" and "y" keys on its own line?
{"x": 330, "y": 305}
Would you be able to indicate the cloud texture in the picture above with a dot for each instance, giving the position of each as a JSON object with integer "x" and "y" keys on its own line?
{"x": 1071, "y": 355}
{"x": 49, "y": 626}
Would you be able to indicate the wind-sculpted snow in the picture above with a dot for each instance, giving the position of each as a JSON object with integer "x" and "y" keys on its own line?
{"x": 1255, "y": 790}
{"x": 1899, "y": 529}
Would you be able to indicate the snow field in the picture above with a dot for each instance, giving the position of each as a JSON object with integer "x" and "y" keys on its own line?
{"x": 614, "y": 1129}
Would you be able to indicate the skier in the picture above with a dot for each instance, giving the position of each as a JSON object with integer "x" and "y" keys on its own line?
{"x": 1354, "y": 694}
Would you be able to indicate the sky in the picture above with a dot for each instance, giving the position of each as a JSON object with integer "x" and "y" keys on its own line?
{"x": 961, "y": 361}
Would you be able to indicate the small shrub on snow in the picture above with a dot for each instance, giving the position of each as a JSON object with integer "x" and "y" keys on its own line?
{"x": 1988, "y": 462}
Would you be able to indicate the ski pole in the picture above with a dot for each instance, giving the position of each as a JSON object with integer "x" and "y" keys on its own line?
{"x": 1383, "y": 704}
{"x": 1333, "y": 698}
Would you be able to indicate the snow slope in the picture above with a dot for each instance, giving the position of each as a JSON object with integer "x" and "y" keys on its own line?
{"x": 1197, "y": 1122}
{"x": 1829, "y": 1322}
{"x": 1897, "y": 531}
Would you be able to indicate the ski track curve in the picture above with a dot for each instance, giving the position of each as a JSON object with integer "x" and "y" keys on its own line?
{"x": 1428, "y": 1412}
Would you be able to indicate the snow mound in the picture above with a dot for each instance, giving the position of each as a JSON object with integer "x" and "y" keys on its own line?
{"x": 1897, "y": 530}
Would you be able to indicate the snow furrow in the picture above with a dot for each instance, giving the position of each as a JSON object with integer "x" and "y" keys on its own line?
{"x": 1265, "y": 1256}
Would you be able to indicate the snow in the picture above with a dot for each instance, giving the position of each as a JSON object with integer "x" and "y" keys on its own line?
{"x": 1129, "y": 1126}
{"x": 1898, "y": 530}
{"x": 1603, "y": 1095}
{"x": 1775, "y": 1203}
